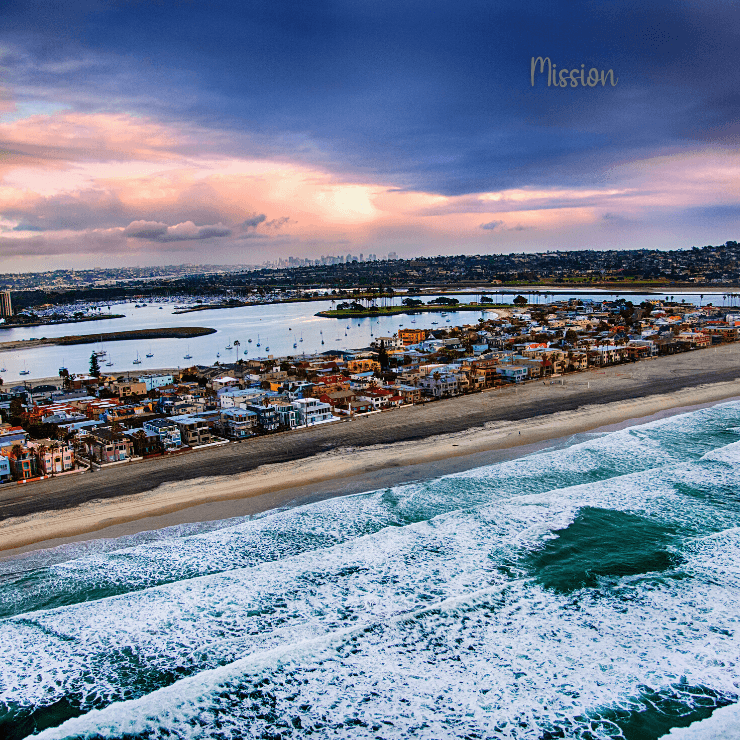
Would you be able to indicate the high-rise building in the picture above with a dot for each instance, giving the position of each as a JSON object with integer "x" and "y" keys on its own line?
{"x": 6, "y": 308}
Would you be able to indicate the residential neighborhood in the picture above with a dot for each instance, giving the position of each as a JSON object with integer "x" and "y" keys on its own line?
{"x": 87, "y": 422}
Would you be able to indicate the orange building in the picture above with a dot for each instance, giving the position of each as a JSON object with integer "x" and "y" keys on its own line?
{"x": 411, "y": 336}
{"x": 364, "y": 365}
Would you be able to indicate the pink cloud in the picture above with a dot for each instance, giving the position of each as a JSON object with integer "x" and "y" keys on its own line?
{"x": 121, "y": 185}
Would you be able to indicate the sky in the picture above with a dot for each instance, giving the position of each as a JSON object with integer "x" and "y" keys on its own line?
{"x": 184, "y": 131}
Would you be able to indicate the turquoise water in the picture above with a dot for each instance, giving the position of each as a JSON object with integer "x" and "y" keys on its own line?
{"x": 586, "y": 592}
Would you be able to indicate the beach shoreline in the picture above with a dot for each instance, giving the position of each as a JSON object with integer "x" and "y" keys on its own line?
{"x": 339, "y": 471}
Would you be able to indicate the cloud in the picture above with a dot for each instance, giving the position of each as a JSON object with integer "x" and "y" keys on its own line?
{"x": 254, "y": 221}
{"x": 277, "y": 223}
{"x": 438, "y": 101}
{"x": 145, "y": 230}
{"x": 187, "y": 231}
{"x": 492, "y": 225}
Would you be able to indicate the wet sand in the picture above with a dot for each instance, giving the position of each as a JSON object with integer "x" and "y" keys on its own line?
{"x": 376, "y": 451}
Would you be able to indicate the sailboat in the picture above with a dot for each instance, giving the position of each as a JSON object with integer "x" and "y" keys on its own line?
{"x": 301, "y": 339}
{"x": 150, "y": 353}
{"x": 24, "y": 371}
{"x": 258, "y": 340}
{"x": 228, "y": 346}
{"x": 188, "y": 356}
{"x": 250, "y": 341}
{"x": 110, "y": 362}
{"x": 267, "y": 346}
{"x": 295, "y": 344}
{"x": 137, "y": 361}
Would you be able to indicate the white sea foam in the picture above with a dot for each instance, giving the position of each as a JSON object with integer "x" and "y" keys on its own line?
{"x": 727, "y": 454}
{"x": 724, "y": 724}
{"x": 410, "y": 605}
{"x": 507, "y": 662}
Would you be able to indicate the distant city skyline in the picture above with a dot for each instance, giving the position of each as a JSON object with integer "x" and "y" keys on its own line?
{"x": 243, "y": 133}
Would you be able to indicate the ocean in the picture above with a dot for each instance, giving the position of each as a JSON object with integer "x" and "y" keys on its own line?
{"x": 586, "y": 591}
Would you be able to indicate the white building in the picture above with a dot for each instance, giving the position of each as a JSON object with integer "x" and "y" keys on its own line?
{"x": 387, "y": 342}
{"x": 225, "y": 381}
{"x": 312, "y": 411}
{"x": 155, "y": 381}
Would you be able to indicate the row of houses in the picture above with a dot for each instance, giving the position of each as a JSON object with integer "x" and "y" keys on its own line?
{"x": 111, "y": 420}
{"x": 22, "y": 459}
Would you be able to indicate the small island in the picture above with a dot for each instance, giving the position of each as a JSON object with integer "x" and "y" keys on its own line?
{"x": 356, "y": 309}
{"x": 175, "y": 332}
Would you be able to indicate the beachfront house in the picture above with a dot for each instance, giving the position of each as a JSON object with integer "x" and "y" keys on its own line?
{"x": 193, "y": 430}
{"x": 286, "y": 413}
{"x": 237, "y": 423}
{"x": 440, "y": 384}
{"x": 5, "y": 474}
{"x": 102, "y": 445}
{"x": 409, "y": 393}
{"x": 166, "y": 430}
{"x": 513, "y": 373}
{"x": 145, "y": 444}
{"x": 53, "y": 456}
{"x": 312, "y": 411}
{"x": 22, "y": 462}
{"x": 267, "y": 417}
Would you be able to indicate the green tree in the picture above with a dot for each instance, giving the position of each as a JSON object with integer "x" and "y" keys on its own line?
{"x": 383, "y": 358}
{"x": 16, "y": 411}
{"x": 94, "y": 365}
{"x": 520, "y": 300}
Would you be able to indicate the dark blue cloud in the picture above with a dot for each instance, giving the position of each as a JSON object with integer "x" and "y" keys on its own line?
{"x": 433, "y": 95}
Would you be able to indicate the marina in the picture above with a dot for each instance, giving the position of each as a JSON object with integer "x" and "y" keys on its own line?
{"x": 252, "y": 325}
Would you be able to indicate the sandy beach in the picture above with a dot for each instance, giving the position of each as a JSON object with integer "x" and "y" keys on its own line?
{"x": 372, "y": 452}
